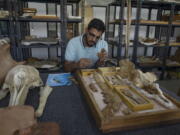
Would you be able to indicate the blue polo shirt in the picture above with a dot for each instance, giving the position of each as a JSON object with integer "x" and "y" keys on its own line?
{"x": 75, "y": 50}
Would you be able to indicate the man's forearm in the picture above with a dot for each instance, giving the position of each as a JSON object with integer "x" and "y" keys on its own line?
{"x": 70, "y": 66}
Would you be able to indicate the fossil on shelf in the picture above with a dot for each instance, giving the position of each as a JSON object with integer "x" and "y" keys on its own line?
{"x": 148, "y": 41}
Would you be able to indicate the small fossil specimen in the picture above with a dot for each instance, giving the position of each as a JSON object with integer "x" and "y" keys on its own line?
{"x": 134, "y": 97}
{"x": 93, "y": 87}
{"x": 126, "y": 111}
{"x": 150, "y": 89}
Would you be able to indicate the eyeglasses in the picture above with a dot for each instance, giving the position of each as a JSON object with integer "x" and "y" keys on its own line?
{"x": 94, "y": 36}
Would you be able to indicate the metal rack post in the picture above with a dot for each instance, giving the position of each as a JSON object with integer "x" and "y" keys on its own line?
{"x": 168, "y": 35}
{"x": 120, "y": 32}
{"x": 63, "y": 28}
{"x": 136, "y": 34}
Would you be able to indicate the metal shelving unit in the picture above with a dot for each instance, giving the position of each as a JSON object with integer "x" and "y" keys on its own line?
{"x": 22, "y": 27}
{"x": 161, "y": 51}
{"x": 8, "y": 27}
{"x": 21, "y": 22}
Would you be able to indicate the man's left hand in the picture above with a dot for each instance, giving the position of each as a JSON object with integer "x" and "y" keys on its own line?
{"x": 102, "y": 57}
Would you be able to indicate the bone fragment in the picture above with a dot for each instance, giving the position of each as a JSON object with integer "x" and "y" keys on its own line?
{"x": 44, "y": 94}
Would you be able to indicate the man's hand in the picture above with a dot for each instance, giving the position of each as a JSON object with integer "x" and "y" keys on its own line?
{"x": 102, "y": 57}
{"x": 84, "y": 63}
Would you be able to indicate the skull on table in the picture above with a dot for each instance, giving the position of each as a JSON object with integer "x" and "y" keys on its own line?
{"x": 18, "y": 79}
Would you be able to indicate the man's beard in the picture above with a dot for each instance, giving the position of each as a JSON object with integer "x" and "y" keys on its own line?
{"x": 92, "y": 43}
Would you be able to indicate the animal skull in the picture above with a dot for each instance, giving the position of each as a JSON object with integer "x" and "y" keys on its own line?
{"x": 18, "y": 81}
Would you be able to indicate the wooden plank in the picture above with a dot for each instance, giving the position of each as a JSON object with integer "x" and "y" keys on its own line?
{"x": 141, "y": 121}
{"x": 152, "y": 22}
{"x": 90, "y": 100}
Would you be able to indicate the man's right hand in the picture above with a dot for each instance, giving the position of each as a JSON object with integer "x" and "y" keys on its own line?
{"x": 84, "y": 63}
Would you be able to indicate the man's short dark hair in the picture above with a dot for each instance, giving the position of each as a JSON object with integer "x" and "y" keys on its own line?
{"x": 97, "y": 24}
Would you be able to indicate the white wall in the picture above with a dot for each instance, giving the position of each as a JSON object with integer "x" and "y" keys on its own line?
{"x": 38, "y": 28}
{"x": 100, "y": 12}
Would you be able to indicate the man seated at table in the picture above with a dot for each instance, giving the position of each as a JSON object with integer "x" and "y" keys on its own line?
{"x": 87, "y": 50}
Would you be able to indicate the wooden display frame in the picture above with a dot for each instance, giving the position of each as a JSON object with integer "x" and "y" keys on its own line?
{"x": 132, "y": 121}
{"x": 135, "y": 107}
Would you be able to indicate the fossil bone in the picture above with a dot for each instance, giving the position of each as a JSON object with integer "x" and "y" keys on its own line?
{"x": 146, "y": 81}
{"x": 154, "y": 92}
{"x": 93, "y": 87}
{"x": 18, "y": 82}
{"x": 6, "y": 61}
{"x": 44, "y": 93}
{"x": 137, "y": 77}
{"x": 132, "y": 96}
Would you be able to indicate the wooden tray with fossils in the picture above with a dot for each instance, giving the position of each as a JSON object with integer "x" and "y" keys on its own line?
{"x": 133, "y": 99}
{"x": 113, "y": 107}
